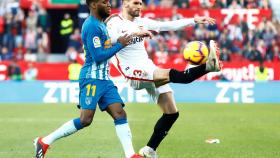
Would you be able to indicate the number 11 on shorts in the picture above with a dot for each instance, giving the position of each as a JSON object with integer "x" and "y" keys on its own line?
{"x": 91, "y": 88}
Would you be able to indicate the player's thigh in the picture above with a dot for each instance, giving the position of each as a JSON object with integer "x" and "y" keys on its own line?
{"x": 112, "y": 102}
{"x": 166, "y": 100}
{"x": 161, "y": 76}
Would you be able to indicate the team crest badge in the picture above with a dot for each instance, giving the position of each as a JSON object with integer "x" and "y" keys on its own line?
{"x": 88, "y": 100}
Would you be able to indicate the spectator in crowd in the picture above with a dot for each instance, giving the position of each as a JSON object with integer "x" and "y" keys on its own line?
{"x": 224, "y": 41}
{"x": 74, "y": 69}
{"x": 18, "y": 28}
{"x": 221, "y": 3}
{"x": 31, "y": 73}
{"x": 161, "y": 55}
{"x": 234, "y": 5}
{"x": 264, "y": 4}
{"x": 30, "y": 40}
{"x": 224, "y": 54}
{"x": 42, "y": 39}
{"x": 261, "y": 72}
{"x": 29, "y": 56}
{"x": 75, "y": 40}
{"x": 41, "y": 55}
{"x": 43, "y": 20}
{"x": 166, "y": 3}
{"x": 31, "y": 20}
{"x": 5, "y": 54}
{"x": 255, "y": 55}
{"x": 19, "y": 52}
{"x": 72, "y": 53}
{"x": 173, "y": 43}
{"x": 182, "y": 3}
{"x": 8, "y": 38}
{"x": 83, "y": 11}
{"x": 2, "y": 28}
{"x": 276, "y": 52}
{"x": 14, "y": 71}
{"x": 66, "y": 29}
{"x": 246, "y": 52}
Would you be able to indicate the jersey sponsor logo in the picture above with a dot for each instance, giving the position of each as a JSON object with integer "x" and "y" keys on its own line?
{"x": 136, "y": 39}
{"x": 108, "y": 43}
{"x": 96, "y": 42}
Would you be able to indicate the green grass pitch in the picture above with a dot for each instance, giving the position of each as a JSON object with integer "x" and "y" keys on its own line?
{"x": 245, "y": 131}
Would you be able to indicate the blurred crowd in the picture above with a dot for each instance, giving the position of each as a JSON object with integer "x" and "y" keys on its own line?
{"x": 193, "y": 4}
{"x": 25, "y": 34}
{"x": 237, "y": 42}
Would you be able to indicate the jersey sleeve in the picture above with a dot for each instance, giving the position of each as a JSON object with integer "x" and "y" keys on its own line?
{"x": 96, "y": 49}
{"x": 167, "y": 25}
{"x": 113, "y": 29}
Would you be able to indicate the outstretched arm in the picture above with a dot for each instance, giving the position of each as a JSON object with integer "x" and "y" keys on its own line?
{"x": 178, "y": 24}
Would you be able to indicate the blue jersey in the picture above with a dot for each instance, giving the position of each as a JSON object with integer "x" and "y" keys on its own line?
{"x": 98, "y": 49}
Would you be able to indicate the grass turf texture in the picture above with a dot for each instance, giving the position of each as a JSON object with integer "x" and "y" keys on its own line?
{"x": 245, "y": 131}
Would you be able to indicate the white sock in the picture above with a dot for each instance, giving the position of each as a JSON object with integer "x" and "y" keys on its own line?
{"x": 125, "y": 137}
{"x": 65, "y": 130}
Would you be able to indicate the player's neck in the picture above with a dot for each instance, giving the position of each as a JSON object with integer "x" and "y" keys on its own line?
{"x": 127, "y": 16}
{"x": 92, "y": 13}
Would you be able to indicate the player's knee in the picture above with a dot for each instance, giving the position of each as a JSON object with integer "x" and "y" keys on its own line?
{"x": 174, "y": 116}
{"x": 86, "y": 121}
{"x": 119, "y": 114}
{"x": 171, "y": 118}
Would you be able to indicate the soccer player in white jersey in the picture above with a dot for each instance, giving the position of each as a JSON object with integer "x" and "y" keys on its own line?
{"x": 141, "y": 72}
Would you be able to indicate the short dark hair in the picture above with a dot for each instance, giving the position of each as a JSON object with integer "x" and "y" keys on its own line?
{"x": 90, "y": 1}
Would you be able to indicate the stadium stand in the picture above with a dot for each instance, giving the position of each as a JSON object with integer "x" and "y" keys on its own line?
{"x": 25, "y": 32}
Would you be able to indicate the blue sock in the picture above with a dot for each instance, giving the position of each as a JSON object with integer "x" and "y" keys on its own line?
{"x": 121, "y": 120}
{"x": 77, "y": 123}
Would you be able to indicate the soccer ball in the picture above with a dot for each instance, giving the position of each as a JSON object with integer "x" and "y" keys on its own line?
{"x": 196, "y": 53}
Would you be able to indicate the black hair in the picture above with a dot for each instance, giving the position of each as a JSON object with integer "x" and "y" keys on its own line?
{"x": 90, "y": 1}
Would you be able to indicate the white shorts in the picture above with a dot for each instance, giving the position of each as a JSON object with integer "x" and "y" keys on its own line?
{"x": 140, "y": 76}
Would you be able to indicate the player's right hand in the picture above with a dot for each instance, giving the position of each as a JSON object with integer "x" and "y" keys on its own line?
{"x": 143, "y": 33}
{"x": 125, "y": 39}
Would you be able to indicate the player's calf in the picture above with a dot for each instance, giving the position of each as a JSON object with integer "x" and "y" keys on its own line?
{"x": 188, "y": 75}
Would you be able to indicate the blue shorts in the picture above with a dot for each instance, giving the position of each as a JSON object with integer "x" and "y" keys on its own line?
{"x": 93, "y": 91}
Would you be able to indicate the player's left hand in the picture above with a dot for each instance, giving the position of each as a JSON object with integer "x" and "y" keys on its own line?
{"x": 204, "y": 20}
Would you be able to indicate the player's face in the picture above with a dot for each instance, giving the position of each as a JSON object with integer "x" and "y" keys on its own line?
{"x": 103, "y": 8}
{"x": 134, "y": 8}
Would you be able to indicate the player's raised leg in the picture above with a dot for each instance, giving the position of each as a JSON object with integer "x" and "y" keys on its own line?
{"x": 68, "y": 128}
{"x": 213, "y": 64}
{"x": 163, "y": 125}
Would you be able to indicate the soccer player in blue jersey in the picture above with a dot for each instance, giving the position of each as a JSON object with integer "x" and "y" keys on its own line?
{"x": 94, "y": 82}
